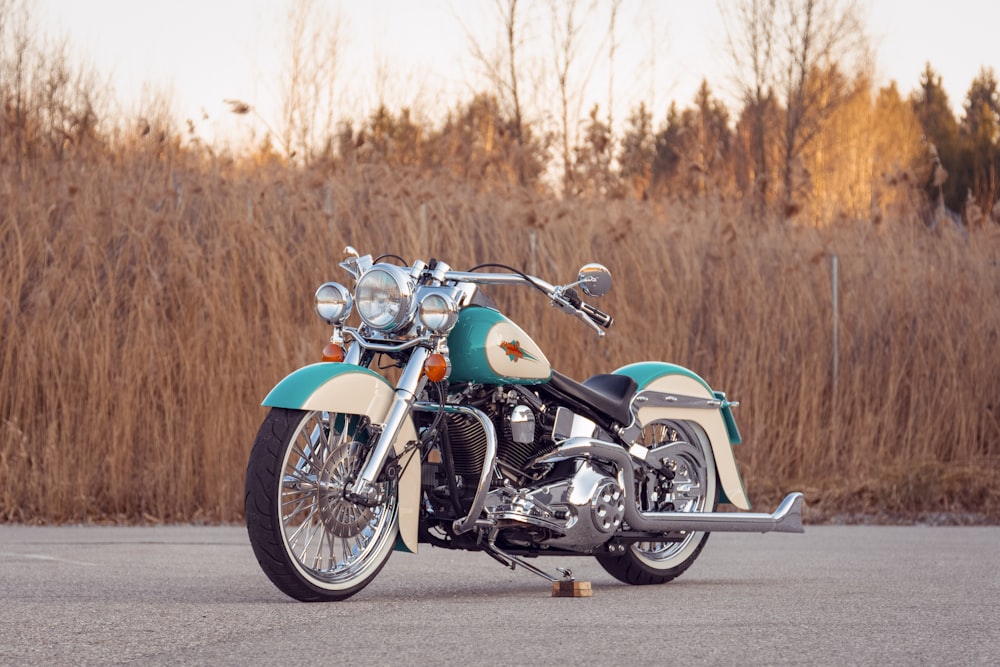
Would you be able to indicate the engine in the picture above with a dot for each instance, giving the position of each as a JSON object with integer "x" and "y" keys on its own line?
{"x": 523, "y": 427}
{"x": 578, "y": 512}
{"x": 575, "y": 505}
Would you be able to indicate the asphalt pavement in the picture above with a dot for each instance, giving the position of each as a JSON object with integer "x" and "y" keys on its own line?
{"x": 193, "y": 595}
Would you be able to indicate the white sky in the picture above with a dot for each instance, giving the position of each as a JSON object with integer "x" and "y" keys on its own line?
{"x": 200, "y": 52}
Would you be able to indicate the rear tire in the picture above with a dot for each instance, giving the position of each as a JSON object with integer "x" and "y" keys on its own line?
{"x": 311, "y": 542}
{"x": 693, "y": 489}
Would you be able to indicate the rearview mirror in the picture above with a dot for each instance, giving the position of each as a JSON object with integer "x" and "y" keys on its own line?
{"x": 594, "y": 279}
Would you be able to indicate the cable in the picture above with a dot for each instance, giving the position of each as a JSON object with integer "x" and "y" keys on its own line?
{"x": 529, "y": 279}
{"x": 389, "y": 255}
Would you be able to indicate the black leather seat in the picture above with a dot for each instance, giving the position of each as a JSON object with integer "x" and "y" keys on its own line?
{"x": 610, "y": 395}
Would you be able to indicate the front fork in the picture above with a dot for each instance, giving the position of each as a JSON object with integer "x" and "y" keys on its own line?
{"x": 365, "y": 491}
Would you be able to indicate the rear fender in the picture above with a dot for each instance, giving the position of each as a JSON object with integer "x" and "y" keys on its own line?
{"x": 718, "y": 425}
{"x": 345, "y": 388}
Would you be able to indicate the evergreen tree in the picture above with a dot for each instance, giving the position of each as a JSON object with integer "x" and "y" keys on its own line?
{"x": 693, "y": 150}
{"x": 481, "y": 143}
{"x": 755, "y": 158}
{"x": 667, "y": 151}
{"x": 982, "y": 108}
{"x": 896, "y": 155}
{"x": 714, "y": 138}
{"x": 638, "y": 152}
{"x": 592, "y": 158}
{"x": 980, "y": 130}
{"x": 396, "y": 138}
{"x": 930, "y": 103}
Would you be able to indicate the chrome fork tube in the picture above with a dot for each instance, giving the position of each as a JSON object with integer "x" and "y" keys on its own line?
{"x": 353, "y": 356}
{"x": 410, "y": 384}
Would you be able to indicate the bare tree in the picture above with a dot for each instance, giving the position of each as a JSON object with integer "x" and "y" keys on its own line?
{"x": 824, "y": 46}
{"x": 511, "y": 33}
{"x": 750, "y": 34}
{"x": 502, "y": 68}
{"x": 612, "y": 51}
{"x": 567, "y": 28}
{"x": 48, "y": 103}
{"x": 16, "y": 30}
{"x": 65, "y": 98}
{"x": 312, "y": 42}
{"x": 805, "y": 52}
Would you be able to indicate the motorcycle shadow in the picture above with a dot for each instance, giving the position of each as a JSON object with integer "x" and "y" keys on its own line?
{"x": 518, "y": 589}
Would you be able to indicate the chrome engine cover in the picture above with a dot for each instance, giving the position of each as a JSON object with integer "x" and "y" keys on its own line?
{"x": 578, "y": 513}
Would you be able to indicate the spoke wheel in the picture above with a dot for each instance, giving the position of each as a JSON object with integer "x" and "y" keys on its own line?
{"x": 692, "y": 489}
{"x": 310, "y": 540}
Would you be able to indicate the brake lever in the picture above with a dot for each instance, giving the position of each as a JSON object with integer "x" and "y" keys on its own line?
{"x": 591, "y": 323}
{"x": 570, "y": 302}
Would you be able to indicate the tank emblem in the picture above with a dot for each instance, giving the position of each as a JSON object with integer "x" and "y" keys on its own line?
{"x": 514, "y": 351}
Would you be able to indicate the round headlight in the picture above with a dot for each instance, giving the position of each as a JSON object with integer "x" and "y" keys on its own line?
{"x": 333, "y": 303}
{"x": 385, "y": 297}
{"x": 438, "y": 313}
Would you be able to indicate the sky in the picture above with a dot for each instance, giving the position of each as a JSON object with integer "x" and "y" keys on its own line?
{"x": 416, "y": 53}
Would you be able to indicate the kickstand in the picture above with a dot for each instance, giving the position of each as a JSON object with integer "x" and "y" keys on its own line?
{"x": 564, "y": 586}
{"x": 512, "y": 562}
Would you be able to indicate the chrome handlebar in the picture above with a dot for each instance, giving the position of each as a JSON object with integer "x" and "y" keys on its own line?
{"x": 558, "y": 294}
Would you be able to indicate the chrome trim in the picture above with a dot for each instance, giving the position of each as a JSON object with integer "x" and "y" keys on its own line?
{"x": 583, "y": 510}
{"x": 341, "y": 299}
{"x": 450, "y": 311}
{"x": 658, "y": 399}
{"x": 497, "y": 279}
{"x": 369, "y": 344}
{"x": 787, "y": 518}
{"x": 522, "y": 424}
{"x": 489, "y": 459}
{"x": 405, "y": 284}
{"x": 594, "y": 279}
{"x": 353, "y": 355}
{"x": 440, "y": 271}
{"x": 555, "y": 292}
{"x": 354, "y": 264}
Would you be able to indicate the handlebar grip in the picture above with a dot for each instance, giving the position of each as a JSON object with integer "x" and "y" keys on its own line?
{"x": 599, "y": 317}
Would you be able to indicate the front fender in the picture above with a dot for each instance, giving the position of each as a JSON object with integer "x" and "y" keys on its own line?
{"x": 349, "y": 389}
{"x": 333, "y": 387}
{"x": 719, "y": 425}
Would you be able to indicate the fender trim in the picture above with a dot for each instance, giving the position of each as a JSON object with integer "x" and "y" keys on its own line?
{"x": 719, "y": 425}
{"x": 346, "y": 388}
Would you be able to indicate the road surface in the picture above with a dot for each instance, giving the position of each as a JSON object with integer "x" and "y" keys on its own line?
{"x": 193, "y": 595}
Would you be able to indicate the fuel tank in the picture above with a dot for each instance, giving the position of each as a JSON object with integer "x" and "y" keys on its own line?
{"x": 488, "y": 348}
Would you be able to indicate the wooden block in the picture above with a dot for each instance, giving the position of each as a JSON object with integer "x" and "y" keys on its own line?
{"x": 571, "y": 589}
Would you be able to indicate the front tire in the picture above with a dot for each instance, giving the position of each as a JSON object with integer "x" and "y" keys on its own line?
{"x": 311, "y": 542}
{"x": 694, "y": 488}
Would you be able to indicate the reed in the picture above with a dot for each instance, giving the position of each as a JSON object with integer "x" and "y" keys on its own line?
{"x": 151, "y": 296}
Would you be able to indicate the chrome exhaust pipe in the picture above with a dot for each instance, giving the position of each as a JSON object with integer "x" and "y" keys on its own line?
{"x": 787, "y": 518}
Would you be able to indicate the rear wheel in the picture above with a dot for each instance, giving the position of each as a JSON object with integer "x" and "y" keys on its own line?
{"x": 310, "y": 540}
{"x": 692, "y": 489}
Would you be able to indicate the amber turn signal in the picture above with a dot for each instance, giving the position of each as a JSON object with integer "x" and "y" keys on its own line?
{"x": 436, "y": 367}
{"x": 333, "y": 352}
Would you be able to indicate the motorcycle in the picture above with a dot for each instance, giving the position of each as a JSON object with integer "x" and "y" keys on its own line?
{"x": 479, "y": 444}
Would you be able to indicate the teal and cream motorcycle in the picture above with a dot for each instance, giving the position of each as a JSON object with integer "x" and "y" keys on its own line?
{"x": 479, "y": 444}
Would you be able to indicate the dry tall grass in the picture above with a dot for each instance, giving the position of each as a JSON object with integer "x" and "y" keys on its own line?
{"x": 151, "y": 297}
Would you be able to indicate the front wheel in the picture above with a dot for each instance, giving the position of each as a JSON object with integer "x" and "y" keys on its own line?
{"x": 692, "y": 489}
{"x": 310, "y": 540}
